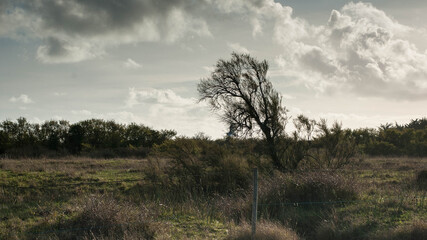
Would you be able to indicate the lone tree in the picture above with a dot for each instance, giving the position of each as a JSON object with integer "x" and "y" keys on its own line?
{"x": 240, "y": 90}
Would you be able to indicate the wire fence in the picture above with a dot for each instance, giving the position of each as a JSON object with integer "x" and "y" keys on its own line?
{"x": 258, "y": 208}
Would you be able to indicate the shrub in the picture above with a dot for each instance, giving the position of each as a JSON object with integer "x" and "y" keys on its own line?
{"x": 264, "y": 231}
{"x": 334, "y": 147}
{"x": 414, "y": 231}
{"x": 231, "y": 174}
{"x": 422, "y": 179}
{"x": 237, "y": 209}
{"x": 328, "y": 230}
{"x": 302, "y": 200}
{"x": 198, "y": 167}
{"x": 103, "y": 217}
{"x": 307, "y": 187}
{"x": 382, "y": 148}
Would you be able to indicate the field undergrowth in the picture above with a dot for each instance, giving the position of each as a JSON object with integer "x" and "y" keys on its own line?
{"x": 83, "y": 198}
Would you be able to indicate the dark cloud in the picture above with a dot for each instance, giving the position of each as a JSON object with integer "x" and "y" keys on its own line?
{"x": 3, "y": 4}
{"x": 55, "y": 47}
{"x": 94, "y": 17}
{"x": 85, "y": 28}
{"x": 88, "y": 26}
{"x": 60, "y": 51}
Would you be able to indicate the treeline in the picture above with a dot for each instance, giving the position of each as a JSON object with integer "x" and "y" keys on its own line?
{"x": 93, "y": 138}
{"x": 394, "y": 140}
{"x": 313, "y": 141}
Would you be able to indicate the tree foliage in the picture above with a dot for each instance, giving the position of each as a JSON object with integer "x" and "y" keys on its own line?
{"x": 335, "y": 145}
{"x": 240, "y": 90}
{"x": 21, "y": 138}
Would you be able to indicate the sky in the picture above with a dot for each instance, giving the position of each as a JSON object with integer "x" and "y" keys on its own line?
{"x": 359, "y": 63}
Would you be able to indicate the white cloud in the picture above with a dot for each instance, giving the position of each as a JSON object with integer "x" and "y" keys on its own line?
{"x": 256, "y": 27}
{"x": 35, "y": 120}
{"x": 131, "y": 64}
{"x": 23, "y": 98}
{"x": 165, "y": 109}
{"x": 236, "y": 47}
{"x": 351, "y": 120}
{"x": 81, "y": 112}
{"x": 156, "y": 96}
{"x": 209, "y": 69}
{"x": 259, "y": 12}
{"x": 360, "y": 50}
{"x": 288, "y": 97}
{"x": 59, "y": 94}
{"x": 57, "y": 118}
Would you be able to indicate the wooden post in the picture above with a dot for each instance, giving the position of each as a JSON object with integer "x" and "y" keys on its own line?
{"x": 254, "y": 203}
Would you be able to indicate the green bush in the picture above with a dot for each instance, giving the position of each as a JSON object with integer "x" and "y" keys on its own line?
{"x": 382, "y": 149}
{"x": 198, "y": 167}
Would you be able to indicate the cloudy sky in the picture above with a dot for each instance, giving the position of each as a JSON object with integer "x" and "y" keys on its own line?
{"x": 360, "y": 63}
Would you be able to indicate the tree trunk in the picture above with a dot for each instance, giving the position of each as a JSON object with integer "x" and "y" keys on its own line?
{"x": 274, "y": 156}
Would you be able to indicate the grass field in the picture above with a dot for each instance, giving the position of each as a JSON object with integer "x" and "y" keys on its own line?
{"x": 81, "y": 198}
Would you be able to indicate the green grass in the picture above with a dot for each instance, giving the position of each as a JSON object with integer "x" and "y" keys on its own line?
{"x": 388, "y": 199}
{"x": 46, "y": 196}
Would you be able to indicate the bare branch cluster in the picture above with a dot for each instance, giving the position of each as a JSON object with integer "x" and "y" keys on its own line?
{"x": 240, "y": 88}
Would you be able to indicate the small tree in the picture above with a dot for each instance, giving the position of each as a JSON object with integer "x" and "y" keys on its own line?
{"x": 239, "y": 88}
{"x": 335, "y": 146}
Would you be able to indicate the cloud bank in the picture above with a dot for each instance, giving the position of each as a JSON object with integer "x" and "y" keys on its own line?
{"x": 360, "y": 50}
{"x": 76, "y": 30}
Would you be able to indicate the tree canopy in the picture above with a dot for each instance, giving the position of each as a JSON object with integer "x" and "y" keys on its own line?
{"x": 240, "y": 90}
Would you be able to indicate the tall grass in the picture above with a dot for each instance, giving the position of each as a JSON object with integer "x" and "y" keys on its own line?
{"x": 383, "y": 199}
{"x": 101, "y": 217}
{"x": 265, "y": 231}
{"x": 302, "y": 200}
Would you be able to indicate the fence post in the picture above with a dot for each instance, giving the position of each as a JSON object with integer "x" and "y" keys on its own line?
{"x": 254, "y": 203}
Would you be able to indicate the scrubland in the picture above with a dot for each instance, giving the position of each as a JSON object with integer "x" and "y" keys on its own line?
{"x": 182, "y": 198}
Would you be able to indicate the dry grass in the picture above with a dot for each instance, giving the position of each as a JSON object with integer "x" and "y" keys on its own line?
{"x": 264, "y": 231}
{"x": 71, "y": 165}
{"x": 414, "y": 231}
{"x": 390, "y": 163}
{"x": 389, "y": 202}
{"x": 103, "y": 217}
{"x": 309, "y": 186}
